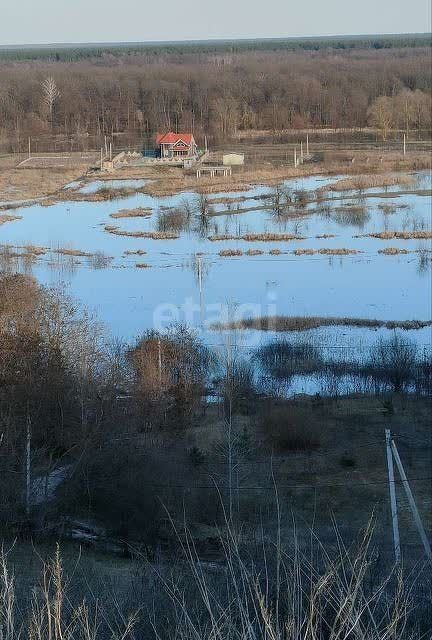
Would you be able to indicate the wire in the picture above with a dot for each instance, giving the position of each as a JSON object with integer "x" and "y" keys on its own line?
{"x": 347, "y": 485}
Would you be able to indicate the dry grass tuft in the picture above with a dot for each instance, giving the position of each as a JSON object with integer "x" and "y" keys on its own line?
{"x": 399, "y": 235}
{"x": 73, "y": 252}
{"x": 142, "y": 265}
{"x": 369, "y": 182}
{"x": 393, "y": 251}
{"x": 338, "y": 252}
{"x": 304, "y": 252}
{"x": 258, "y": 237}
{"x": 33, "y": 250}
{"x": 226, "y": 253}
{"x": 139, "y": 252}
{"x": 151, "y": 235}
{"x": 275, "y": 252}
{"x": 254, "y": 252}
{"x": 132, "y": 213}
{"x": 270, "y": 237}
{"x": 304, "y": 323}
{"x": 8, "y": 218}
{"x": 105, "y": 193}
{"x": 326, "y": 252}
{"x": 221, "y": 238}
{"x": 391, "y": 208}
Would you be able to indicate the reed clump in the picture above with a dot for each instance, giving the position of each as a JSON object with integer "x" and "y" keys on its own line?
{"x": 254, "y": 252}
{"x": 142, "y": 265}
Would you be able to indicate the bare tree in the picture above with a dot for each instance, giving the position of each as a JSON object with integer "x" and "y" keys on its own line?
{"x": 380, "y": 115}
{"x": 50, "y": 95}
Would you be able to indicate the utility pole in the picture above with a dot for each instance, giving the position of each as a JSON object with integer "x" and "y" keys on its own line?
{"x": 200, "y": 284}
{"x": 28, "y": 467}
{"x": 101, "y": 159}
{"x": 110, "y": 151}
{"x": 29, "y": 147}
{"x": 412, "y": 503}
{"x": 295, "y": 157}
{"x": 393, "y": 503}
{"x": 160, "y": 363}
{"x": 301, "y": 150}
{"x": 404, "y": 145}
{"x": 307, "y": 144}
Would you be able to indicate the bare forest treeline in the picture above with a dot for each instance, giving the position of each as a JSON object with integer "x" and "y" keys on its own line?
{"x": 219, "y": 94}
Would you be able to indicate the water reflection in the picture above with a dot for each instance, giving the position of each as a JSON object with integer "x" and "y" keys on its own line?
{"x": 365, "y": 284}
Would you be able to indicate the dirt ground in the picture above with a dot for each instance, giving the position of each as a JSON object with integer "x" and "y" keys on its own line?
{"x": 44, "y": 176}
{"x": 345, "y": 477}
{"x": 268, "y": 164}
{"x": 341, "y": 484}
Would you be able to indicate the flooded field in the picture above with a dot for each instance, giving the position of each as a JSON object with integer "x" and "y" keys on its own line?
{"x": 300, "y": 249}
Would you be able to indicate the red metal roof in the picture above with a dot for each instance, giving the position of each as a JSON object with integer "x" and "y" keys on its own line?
{"x": 172, "y": 138}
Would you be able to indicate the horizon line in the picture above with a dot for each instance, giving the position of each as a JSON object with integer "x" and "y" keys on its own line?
{"x": 212, "y": 39}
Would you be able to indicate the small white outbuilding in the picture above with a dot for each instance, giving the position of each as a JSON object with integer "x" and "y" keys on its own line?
{"x": 233, "y": 159}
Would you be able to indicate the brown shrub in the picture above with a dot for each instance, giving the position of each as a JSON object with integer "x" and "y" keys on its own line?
{"x": 288, "y": 428}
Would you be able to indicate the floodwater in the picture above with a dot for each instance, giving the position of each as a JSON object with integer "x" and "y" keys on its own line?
{"x": 186, "y": 280}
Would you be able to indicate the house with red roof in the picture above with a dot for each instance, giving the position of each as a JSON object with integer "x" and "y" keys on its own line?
{"x": 176, "y": 145}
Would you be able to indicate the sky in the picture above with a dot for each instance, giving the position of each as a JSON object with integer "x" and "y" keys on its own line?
{"x": 62, "y": 21}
